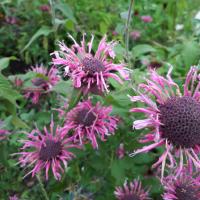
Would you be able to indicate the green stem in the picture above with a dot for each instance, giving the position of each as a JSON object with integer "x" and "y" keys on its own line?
{"x": 127, "y": 30}
{"x": 42, "y": 187}
{"x": 74, "y": 102}
{"x": 53, "y": 14}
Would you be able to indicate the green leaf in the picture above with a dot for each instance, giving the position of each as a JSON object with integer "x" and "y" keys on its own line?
{"x": 70, "y": 25}
{"x": 43, "y": 31}
{"x": 118, "y": 169}
{"x": 141, "y": 49}
{"x": 4, "y": 62}
{"x": 66, "y": 11}
{"x": 63, "y": 87}
{"x": 190, "y": 53}
{"x": 4, "y": 154}
{"x": 17, "y": 122}
{"x": 103, "y": 27}
{"x": 7, "y": 92}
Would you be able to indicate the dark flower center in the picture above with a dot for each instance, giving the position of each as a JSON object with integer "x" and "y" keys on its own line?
{"x": 50, "y": 150}
{"x": 92, "y": 65}
{"x": 180, "y": 117}
{"x": 85, "y": 117}
{"x": 39, "y": 81}
{"x": 155, "y": 65}
{"x": 130, "y": 197}
{"x": 185, "y": 192}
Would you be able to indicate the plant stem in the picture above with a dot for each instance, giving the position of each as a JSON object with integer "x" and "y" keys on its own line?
{"x": 75, "y": 101}
{"x": 53, "y": 15}
{"x": 42, "y": 187}
{"x": 127, "y": 30}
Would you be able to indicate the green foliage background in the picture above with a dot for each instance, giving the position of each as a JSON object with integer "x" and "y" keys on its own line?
{"x": 93, "y": 174}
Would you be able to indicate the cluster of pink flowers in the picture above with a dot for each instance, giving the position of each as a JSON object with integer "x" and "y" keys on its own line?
{"x": 172, "y": 116}
{"x": 84, "y": 122}
{"x": 136, "y": 34}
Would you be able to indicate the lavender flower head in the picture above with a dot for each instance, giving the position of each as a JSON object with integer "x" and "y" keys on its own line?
{"x": 43, "y": 83}
{"x": 89, "y": 122}
{"x": 13, "y": 197}
{"x": 146, "y": 18}
{"x": 174, "y": 118}
{"x": 135, "y": 35}
{"x": 47, "y": 149}
{"x": 90, "y": 71}
{"x": 184, "y": 187}
{"x": 131, "y": 191}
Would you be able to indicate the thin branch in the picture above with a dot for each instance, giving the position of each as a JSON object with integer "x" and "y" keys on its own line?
{"x": 127, "y": 29}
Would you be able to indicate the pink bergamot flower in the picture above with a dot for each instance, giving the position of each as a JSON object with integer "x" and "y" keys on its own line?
{"x": 89, "y": 122}
{"x": 184, "y": 187}
{"x": 135, "y": 35}
{"x": 13, "y": 197}
{"x": 132, "y": 191}
{"x": 174, "y": 118}
{"x": 146, "y": 18}
{"x": 90, "y": 71}
{"x": 47, "y": 149}
{"x": 43, "y": 83}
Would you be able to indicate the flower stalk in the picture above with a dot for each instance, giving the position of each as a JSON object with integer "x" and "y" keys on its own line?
{"x": 42, "y": 187}
{"x": 127, "y": 30}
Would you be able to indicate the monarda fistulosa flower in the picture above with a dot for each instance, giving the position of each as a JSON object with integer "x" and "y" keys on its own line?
{"x": 47, "y": 149}
{"x": 184, "y": 187}
{"x": 41, "y": 84}
{"x": 132, "y": 191}
{"x": 89, "y": 122}
{"x": 174, "y": 118}
{"x": 90, "y": 71}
